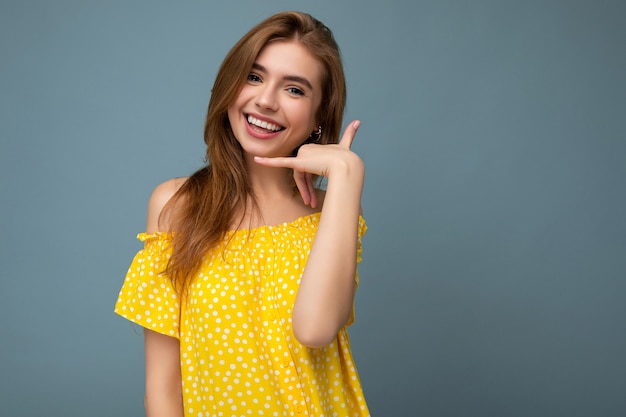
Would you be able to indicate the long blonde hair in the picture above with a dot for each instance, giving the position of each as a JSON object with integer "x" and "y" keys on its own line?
{"x": 203, "y": 209}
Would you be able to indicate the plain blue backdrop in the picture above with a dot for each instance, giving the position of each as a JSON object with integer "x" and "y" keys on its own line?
{"x": 494, "y": 135}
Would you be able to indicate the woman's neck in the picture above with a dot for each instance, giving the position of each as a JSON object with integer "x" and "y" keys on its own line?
{"x": 274, "y": 200}
{"x": 269, "y": 183}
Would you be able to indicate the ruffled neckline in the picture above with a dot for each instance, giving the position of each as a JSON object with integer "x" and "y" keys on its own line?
{"x": 301, "y": 221}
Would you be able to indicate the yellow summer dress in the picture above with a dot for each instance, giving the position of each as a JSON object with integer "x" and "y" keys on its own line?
{"x": 239, "y": 356}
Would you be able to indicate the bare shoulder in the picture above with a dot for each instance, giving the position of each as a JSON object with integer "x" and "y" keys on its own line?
{"x": 161, "y": 194}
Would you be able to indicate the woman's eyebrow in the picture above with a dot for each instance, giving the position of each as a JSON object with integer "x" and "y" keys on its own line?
{"x": 295, "y": 78}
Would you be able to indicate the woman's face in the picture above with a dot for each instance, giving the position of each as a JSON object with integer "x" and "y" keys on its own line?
{"x": 275, "y": 110}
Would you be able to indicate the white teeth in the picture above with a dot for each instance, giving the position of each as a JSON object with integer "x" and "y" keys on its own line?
{"x": 262, "y": 124}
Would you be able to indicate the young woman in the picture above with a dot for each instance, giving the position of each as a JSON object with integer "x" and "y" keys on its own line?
{"x": 247, "y": 278}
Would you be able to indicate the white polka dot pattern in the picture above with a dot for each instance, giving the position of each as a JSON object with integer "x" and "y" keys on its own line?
{"x": 238, "y": 353}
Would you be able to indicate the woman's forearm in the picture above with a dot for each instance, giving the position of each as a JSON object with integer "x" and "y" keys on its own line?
{"x": 325, "y": 297}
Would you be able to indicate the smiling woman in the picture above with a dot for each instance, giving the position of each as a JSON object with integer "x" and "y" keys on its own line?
{"x": 246, "y": 282}
{"x": 279, "y": 101}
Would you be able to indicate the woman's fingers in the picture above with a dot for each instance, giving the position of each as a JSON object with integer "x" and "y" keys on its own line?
{"x": 349, "y": 133}
{"x": 306, "y": 187}
{"x": 279, "y": 161}
{"x": 314, "y": 159}
{"x": 312, "y": 165}
{"x": 311, "y": 186}
{"x": 300, "y": 179}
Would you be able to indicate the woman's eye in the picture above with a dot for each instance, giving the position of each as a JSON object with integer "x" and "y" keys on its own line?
{"x": 254, "y": 78}
{"x": 295, "y": 91}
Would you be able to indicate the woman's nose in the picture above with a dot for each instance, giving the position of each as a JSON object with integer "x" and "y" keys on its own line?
{"x": 266, "y": 98}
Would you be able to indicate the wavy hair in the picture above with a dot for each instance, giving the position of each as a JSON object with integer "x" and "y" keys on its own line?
{"x": 206, "y": 205}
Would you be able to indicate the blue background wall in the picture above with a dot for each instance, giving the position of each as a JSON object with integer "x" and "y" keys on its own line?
{"x": 494, "y": 279}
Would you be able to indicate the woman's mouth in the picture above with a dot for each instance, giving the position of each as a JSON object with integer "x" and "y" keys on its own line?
{"x": 262, "y": 126}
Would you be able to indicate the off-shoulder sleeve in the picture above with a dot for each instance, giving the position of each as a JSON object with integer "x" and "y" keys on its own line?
{"x": 147, "y": 297}
{"x": 362, "y": 228}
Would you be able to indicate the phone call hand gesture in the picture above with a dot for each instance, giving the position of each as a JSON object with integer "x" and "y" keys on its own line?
{"x": 330, "y": 161}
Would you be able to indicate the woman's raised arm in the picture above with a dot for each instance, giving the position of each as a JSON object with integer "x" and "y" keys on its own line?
{"x": 326, "y": 294}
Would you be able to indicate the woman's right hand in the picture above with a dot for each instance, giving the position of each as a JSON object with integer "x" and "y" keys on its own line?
{"x": 330, "y": 161}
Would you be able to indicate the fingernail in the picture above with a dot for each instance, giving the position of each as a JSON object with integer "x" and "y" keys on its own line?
{"x": 356, "y": 124}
